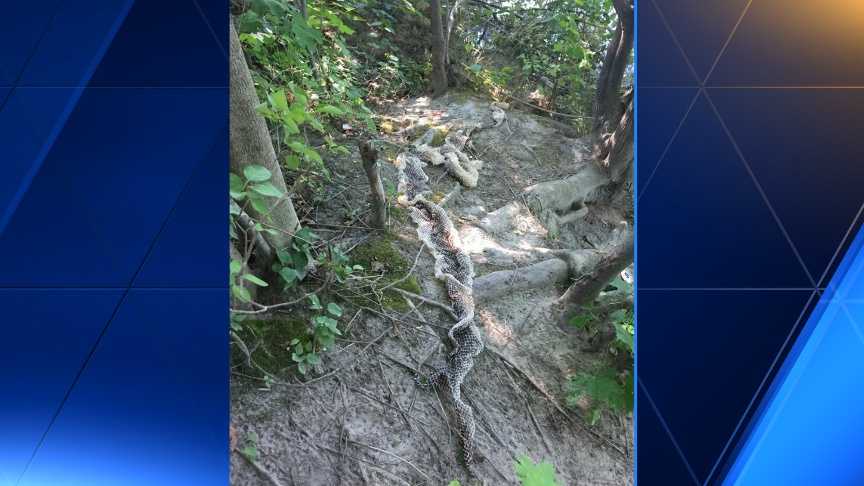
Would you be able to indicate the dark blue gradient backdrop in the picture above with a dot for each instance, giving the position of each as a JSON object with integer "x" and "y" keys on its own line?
{"x": 114, "y": 146}
{"x": 750, "y": 170}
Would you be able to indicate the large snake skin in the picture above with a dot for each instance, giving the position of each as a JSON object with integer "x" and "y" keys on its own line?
{"x": 452, "y": 266}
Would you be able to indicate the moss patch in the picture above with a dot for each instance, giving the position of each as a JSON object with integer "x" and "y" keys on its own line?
{"x": 439, "y": 136}
{"x": 381, "y": 256}
{"x": 270, "y": 340}
{"x": 437, "y": 197}
{"x": 399, "y": 214}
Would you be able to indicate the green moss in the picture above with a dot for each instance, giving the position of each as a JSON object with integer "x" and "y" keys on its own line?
{"x": 380, "y": 256}
{"x": 271, "y": 341}
{"x": 437, "y": 197}
{"x": 439, "y": 136}
{"x": 399, "y": 213}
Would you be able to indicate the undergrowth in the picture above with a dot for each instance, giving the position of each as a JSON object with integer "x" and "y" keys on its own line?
{"x": 609, "y": 386}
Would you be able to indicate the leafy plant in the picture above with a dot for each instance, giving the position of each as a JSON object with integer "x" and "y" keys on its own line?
{"x": 306, "y": 351}
{"x": 605, "y": 390}
{"x": 532, "y": 474}
{"x": 252, "y": 188}
{"x": 250, "y": 447}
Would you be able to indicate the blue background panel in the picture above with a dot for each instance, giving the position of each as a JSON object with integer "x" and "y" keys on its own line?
{"x": 118, "y": 167}
{"x": 46, "y": 342}
{"x": 114, "y": 136}
{"x": 744, "y": 217}
{"x": 151, "y": 406}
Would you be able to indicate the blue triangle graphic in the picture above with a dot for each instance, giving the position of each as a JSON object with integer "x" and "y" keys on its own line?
{"x": 49, "y": 333}
{"x": 812, "y": 172}
{"x": 732, "y": 224}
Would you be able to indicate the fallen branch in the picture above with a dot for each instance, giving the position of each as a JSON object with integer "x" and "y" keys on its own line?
{"x": 376, "y": 189}
{"x": 446, "y": 308}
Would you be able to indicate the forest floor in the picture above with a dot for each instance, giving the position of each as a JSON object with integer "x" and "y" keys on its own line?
{"x": 359, "y": 419}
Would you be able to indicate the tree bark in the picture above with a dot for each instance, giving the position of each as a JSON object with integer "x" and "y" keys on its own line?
{"x": 451, "y": 22}
{"x": 251, "y": 145}
{"x": 587, "y": 281}
{"x": 301, "y": 6}
{"x": 613, "y": 114}
{"x": 439, "y": 67}
{"x": 376, "y": 188}
{"x": 607, "y": 106}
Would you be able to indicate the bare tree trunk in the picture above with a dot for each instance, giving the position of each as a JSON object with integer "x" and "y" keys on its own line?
{"x": 251, "y": 145}
{"x": 439, "y": 67}
{"x": 588, "y": 280}
{"x": 607, "y": 106}
{"x": 301, "y": 6}
{"x": 376, "y": 188}
{"x": 613, "y": 114}
{"x": 448, "y": 32}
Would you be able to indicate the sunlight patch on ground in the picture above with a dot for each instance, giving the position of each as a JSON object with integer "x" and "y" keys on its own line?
{"x": 498, "y": 332}
{"x": 476, "y": 241}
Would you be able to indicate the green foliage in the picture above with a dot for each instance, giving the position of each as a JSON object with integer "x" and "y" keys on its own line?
{"x": 307, "y": 75}
{"x": 250, "y": 447}
{"x": 254, "y": 189}
{"x": 531, "y": 474}
{"x": 625, "y": 330}
{"x": 549, "y": 55}
{"x": 607, "y": 387}
{"x": 305, "y": 350}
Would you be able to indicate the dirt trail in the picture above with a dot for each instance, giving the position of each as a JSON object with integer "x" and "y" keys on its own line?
{"x": 363, "y": 420}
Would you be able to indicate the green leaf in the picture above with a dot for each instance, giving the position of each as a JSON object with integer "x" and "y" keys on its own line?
{"x": 454, "y": 483}
{"x": 289, "y": 274}
{"x": 334, "y": 309}
{"x": 235, "y": 267}
{"x": 292, "y": 162}
{"x": 235, "y": 183}
{"x": 259, "y": 205}
{"x": 233, "y": 208}
{"x": 311, "y": 154}
{"x": 241, "y": 293}
{"x": 531, "y": 474}
{"x": 581, "y": 321}
{"x": 256, "y": 173}
{"x": 278, "y": 100}
{"x": 603, "y": 387}
{"x": 624, "y": 336}
{"x": 291, "y": 127}
{"x": 298, "y": 147}
{"x": 315, "y": 303}
{"x": 313, "y": 359}
{"x": 255, "y": 280}
{"x": 306, "y": 235}
{"x": 267, "y": 189}
{"x": 250, "y": 452}
{"x": 330, "y": 110}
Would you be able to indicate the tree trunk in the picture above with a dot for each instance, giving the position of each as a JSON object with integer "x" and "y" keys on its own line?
{"x": 448, "y": 31}
{"x": 251, "y": 145}
{"x": 301, "y": 6}
{"x": 613, "y": 115}
{"x": 590, "y": 275}
{"x": 439, "y": 67}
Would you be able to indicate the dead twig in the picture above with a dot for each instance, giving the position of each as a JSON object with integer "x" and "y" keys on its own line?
{"x": 446, "y": 308}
